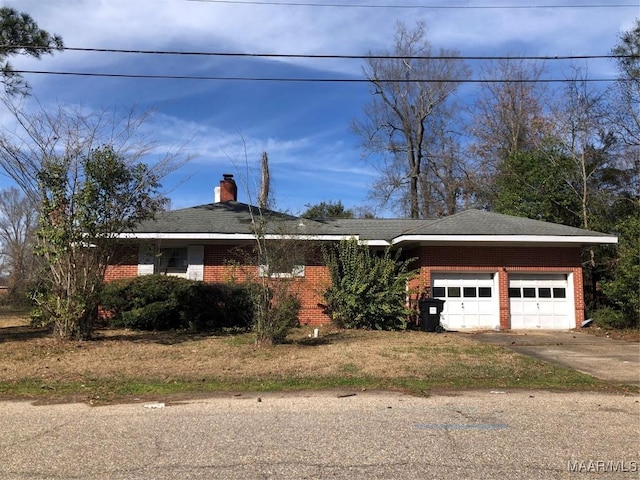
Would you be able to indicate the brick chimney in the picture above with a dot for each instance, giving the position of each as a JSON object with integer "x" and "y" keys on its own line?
{"x": 228, "y": 190}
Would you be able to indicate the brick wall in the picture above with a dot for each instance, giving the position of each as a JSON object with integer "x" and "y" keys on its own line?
{"x": 523, "y": 258}
{"x": 217, "y": 268}
{"x": 429, "y": 259}
{"x": 124, "y": 264}
{"x": 316, "y": 280}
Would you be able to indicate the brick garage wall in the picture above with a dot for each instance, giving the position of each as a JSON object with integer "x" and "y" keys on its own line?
{"x": 502, "y": 260}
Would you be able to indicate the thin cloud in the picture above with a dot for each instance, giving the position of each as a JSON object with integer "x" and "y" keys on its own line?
{"x": 304, "y": 128}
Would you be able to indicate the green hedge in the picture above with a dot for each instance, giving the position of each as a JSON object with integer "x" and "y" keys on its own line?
{"x": 159, "y": 302}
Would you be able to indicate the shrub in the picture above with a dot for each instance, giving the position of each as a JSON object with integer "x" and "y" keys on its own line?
{"x": 207, "y": 306}
{"x": 610, "y": 318}
{"x": 158, "y": 302}
{"x": 284, "y": 315}
{"x": 154, "y": 316}
{"x": 276, "y": 311}
{"x": 622, "y": 290}
{"x": 367, "y": 290}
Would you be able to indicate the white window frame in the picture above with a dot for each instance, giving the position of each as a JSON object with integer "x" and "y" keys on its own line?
{"x": 298, "y": 271}
{"x": 176, "y": 270}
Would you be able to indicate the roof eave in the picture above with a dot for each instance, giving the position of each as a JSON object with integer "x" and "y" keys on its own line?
{"x": 508, "y": 239}
{"x": 225, "y": 236}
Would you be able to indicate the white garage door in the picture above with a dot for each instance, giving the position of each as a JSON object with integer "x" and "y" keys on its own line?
{"x": 540, "y": 301}
{"x": 471, "y": 300}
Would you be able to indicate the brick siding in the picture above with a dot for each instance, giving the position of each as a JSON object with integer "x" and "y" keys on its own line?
{"x": 124, "y": 264}
{"x": 502, "y": 260}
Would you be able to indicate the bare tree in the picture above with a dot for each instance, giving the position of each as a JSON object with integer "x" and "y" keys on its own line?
{"x": 446, "y": 179}
{"x": 18, "y": 221}
{"x": 508, "y": 118}
{"x": 626, "y": 94}
{"x": 583, "y": 135}
{"x": 279, "y": 249}
{"x": 508, "y": 115}
{"x": 45, "y": 132}
{"x": 409, "y": 85}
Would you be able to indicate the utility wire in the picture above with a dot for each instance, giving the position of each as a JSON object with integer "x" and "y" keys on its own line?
{"x": 424, "y": 7}
{"x": 302, "y": 79}
{"x": 337, "y": 56}
{"x": 311, "y": 56}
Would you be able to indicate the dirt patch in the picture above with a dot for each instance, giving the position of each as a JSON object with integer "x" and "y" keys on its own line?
{"x": 628, "y": 334}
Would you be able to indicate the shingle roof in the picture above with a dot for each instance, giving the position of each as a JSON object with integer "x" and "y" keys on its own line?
{"x": 478, "y": 222}
{"x": 375, "y": 229}
{"x": 229, "y": 218}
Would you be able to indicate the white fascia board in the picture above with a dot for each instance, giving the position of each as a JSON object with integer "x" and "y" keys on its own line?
{"x": 334, "y": 238}
{"x": 375, "y": 243}
{"x": 224, "y": 236}
{"x": 581, "y": 240}
{"x": 185, "y": 236}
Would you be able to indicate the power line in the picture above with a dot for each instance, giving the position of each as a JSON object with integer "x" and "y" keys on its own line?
{"x": 423, "y": 7}
{"x": 300, "y": 79}
{"x": 340, "y": 57}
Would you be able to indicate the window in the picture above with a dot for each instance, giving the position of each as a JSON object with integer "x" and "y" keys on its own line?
{"x": 515, "y": 293}
{"x": 559, "y": 293}
{"x": 439, "y": 292}
{"x": 529, "y": 292}
{"x": 469, "y": 292}
{"x": 484, "y": 292}
{"x": 544, "y": 292}
{"x": 453, "y": 292}
{"x": 173, "y": 261}
{"x": 294, "y": 271}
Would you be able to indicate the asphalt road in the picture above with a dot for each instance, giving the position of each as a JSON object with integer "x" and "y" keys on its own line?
{"x": 338, "y": 435}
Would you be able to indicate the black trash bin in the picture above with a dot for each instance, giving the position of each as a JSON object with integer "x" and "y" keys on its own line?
{"x": 430, "y": 310}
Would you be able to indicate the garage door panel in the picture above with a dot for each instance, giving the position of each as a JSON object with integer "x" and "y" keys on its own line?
{"x": 471, "y": 300}
{"x": 540, "y": 301}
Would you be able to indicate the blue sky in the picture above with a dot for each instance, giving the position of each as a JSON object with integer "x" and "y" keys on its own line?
{"x": 304, "y": 127}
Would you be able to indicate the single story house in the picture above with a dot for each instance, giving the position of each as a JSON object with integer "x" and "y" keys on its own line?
{"x": 494, "y": 271}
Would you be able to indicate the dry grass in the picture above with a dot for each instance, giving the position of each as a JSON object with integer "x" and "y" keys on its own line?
{"x": 27, "y": 353}
{"x": 32, "y": 363}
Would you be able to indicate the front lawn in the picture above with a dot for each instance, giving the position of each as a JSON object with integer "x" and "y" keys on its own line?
{"x": 123, "y": 364}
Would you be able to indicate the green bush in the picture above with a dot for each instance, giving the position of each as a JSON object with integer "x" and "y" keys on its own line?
{"x": 367, "y": 290}
{"x": 622, "y": 290}
{"x": 210, "y": 306}
{"x": 610, "y": 318}
{"x": 158, "y": 302}
{"x": 154, "y": 316}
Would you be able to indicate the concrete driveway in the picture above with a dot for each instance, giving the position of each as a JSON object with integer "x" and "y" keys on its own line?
{"x": 615, "y": 361}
